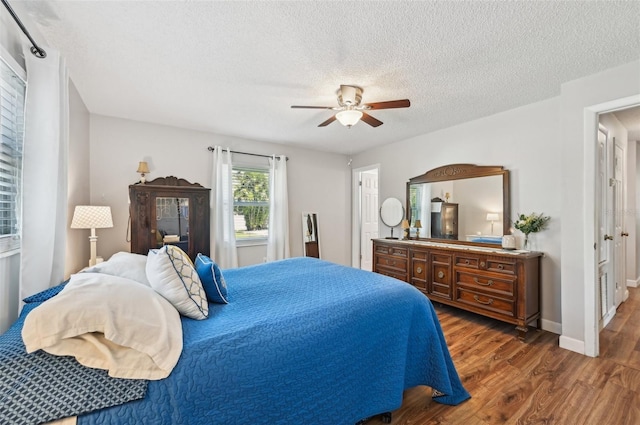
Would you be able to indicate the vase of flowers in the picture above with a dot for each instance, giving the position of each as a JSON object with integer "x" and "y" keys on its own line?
{"x": 532, "y": 223}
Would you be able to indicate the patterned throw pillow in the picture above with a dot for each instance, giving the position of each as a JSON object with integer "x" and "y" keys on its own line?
{"x": 172, "y": 275}
{"x": 212, "y": 279}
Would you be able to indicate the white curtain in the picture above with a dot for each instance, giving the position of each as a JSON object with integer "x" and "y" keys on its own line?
{"x": 278, "y": 240}
{"x": 44, "y": 175}
{"x": 425, "y": 210}
{"x": 223, "y": 236}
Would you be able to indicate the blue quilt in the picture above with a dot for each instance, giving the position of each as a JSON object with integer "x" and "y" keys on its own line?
{"x": 301, "y": 341}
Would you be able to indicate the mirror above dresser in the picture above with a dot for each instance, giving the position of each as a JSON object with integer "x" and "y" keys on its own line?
{"x": 460, "y": 203}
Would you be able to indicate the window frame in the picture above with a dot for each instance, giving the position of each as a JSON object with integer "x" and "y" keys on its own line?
{"x": 259, "y": 240}
{"x": 10, "y": 243}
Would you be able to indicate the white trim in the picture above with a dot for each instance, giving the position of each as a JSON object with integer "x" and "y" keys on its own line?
{"x": 10, "y": 253}
{"x": 591, "y": 321}
{"x": 11, "y": 63}
{"x": 632, "y": 283}
{"x": 607, "y": 317}
{"x": 548, "y": 325}
{"x": 572, "y": 344}
{"x": 355, "y": 208}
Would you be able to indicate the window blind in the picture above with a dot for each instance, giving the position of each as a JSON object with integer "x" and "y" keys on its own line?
{"x": 12, "y": 92}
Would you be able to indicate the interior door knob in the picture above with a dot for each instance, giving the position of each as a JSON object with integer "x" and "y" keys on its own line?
{"x": 608, "y": 238}
{"x": 624, "y": 234}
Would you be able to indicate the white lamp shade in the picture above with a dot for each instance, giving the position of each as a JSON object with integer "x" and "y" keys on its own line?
{"x": 492, "y": 217}
{"x": 91, "y": 217}
{"x": 348, "y": 118}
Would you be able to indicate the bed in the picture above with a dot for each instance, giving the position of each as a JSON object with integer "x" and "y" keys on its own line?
{"x": 300, "y": 341}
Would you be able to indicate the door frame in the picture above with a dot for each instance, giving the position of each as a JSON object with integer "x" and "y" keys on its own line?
{"x": 356, "y": 211}
{"x": 591, "y": 297}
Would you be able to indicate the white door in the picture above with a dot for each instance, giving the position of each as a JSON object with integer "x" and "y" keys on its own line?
{"x": 605, "y": 241}
{"x": 368, "y": 217}
{"x": 619, "y": 242}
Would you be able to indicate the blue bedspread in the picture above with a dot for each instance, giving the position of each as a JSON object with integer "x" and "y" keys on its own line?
{"x": 41, "y": 387}
{"x": 302, "y": 341}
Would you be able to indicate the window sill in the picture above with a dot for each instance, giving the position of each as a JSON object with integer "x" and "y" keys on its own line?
{"x": 248, "y": 243}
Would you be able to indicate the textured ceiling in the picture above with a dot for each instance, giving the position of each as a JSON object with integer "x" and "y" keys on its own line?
{"x": 235, "y": 67}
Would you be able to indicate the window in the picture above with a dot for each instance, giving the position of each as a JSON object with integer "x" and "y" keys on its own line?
{"x": 250, "y": 203}
{"x": 12, "y": 91}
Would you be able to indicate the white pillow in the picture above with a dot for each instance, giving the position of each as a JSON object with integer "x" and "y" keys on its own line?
{"x": 108, "y": 322}
{"x": 172, "y": 275}
{"x": 124, "y": 264}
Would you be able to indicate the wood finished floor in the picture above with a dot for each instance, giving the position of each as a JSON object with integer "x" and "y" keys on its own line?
{"x": 536, "y": 382}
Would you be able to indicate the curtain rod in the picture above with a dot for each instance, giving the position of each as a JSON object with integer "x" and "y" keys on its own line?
{"x": 211, "y": 148}
{"x": 35, "y": 49}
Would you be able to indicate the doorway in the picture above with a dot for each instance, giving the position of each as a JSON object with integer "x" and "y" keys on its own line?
{"x": 365, "y": 222}
{"x": 614, "y": 207}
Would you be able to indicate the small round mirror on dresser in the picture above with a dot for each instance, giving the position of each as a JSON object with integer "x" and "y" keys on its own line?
{"x": 391, "y": 213}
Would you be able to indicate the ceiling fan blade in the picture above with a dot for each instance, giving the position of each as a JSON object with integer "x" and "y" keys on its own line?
{"x": 373, "y": 122}
{"x": 311, "y": 107}
{"x": 327, "y": 122}
{"x": 403, "y": 103}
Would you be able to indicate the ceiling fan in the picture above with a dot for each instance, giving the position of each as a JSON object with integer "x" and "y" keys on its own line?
{"x": 350, "y": 111}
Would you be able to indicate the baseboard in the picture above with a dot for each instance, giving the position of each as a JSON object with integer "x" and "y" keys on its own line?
{"x": 571, "y": 344}
{"x": 632, "y": 283}
{"x": 548, "y": 325}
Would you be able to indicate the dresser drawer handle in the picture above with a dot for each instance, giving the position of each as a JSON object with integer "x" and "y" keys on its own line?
{"x": 440, "y": 275}
{"x": 419, "y": 269}
{"x": 482, "y": 264}
{"x": 500, "y": 267}
{"x": 475, "y": 297}
{"x": 466, "y": 262}
{"x": 489, "y": 282}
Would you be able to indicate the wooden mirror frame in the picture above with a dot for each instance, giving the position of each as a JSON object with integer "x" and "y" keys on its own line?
{"x": 460, "y": 172}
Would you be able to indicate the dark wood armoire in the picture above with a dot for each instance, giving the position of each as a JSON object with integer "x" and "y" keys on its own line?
{"x": 170, "y": 210}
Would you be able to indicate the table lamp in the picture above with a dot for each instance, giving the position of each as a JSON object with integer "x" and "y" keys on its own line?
{"x": 418, "y": 226}
{"x": 492, "y": 217}
{"x": 92, "y": 217}
{"x": 405, "y": 228}
{"x": 143, "y": 168}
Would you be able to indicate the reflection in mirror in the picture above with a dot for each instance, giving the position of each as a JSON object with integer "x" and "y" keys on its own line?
{"x": 172, "y": 222}
{"x": 311, "y": 241}
{"x": 460, "y": 202}
{"x": 458, "y": 209}
{"x": 391, "y": 213}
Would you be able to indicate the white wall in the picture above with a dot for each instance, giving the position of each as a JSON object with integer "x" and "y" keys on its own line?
{"x": 631, "y": 218}
{"x": 317, "y": 181}
{"x": 77, "y": 255}
{"x": 523, "y": 140}
{"x": 636, "y": 227}
{"x": 579, "y": 99}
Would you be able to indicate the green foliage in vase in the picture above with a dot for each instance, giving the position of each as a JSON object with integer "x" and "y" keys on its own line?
{"x": 531, "y": 223}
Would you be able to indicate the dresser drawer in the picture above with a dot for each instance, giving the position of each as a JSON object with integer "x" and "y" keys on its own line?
{"x": 469, "y": 261}
{"x": 392, "y": 273}
{"x": 391, "y": 250}
{"x": 486, "y": 302}
{"x": 504, "y": 266}
{"x": 389, "y": 262}
{"x": 489, "y": 284}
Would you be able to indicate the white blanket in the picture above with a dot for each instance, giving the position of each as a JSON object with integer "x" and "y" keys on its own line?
{"x": 108, "y": 322}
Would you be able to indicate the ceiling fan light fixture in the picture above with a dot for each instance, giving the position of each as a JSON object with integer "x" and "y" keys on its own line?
{"x": 349, "y": 117}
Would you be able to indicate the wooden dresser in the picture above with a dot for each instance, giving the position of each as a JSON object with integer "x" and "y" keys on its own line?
{"x": 493, "y": 282}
